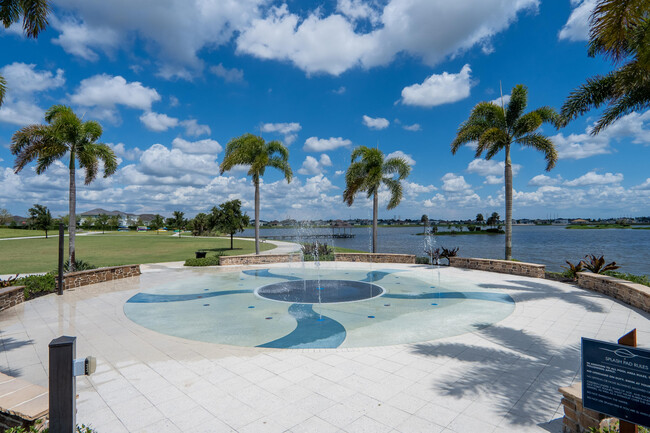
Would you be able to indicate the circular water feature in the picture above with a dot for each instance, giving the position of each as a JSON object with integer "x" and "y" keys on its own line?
{"x": 319, "y": 291}
{"x": 344, "y": 307}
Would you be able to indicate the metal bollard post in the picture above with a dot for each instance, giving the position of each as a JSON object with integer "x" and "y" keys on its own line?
{"x": 63, "y": 386}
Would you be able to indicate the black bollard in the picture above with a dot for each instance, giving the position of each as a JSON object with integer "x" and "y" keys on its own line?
{"x": 63, "y": 386}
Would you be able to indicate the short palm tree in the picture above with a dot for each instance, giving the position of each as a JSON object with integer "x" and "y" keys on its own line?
{"x": 620, "y": 30}
{"x": 367, "y": 172}
{"x": 497, "y": 128}
{"x": 252, "y": 151}
{"x": 64, "y": 134}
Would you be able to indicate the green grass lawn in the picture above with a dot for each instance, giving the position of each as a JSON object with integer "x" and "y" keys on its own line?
{"x": 20, "y": 233}
{"x": 40, "y": 255}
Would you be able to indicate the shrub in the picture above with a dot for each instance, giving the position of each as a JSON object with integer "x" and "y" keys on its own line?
{"x": 597, "y": 265}
{"x": 11, "y": 281}
{"x": 313, "y": 248}
{"x": 572, "y": 269}
{"x": 37, "y": 285}
{"x": 206, "y": 261}
{"x": 422, "y": 260}
{"x": 80, "y": 265}
{"x": 448, "y": 253}
{"x": 37, "y": 429}
{"x": 321, "y": 258}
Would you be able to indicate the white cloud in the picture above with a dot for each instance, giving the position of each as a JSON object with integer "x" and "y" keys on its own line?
{"x": 23, "y": 82}
{"x": 158, "y": 122}
{"x": 341, "y": 90}
{"x": 200, "y": 147}
{"x": 577, "y": 26}
{"x": 543, "y": 180}
{"x": 106, "y": 91}
{"x": 312, "y": 166}
{"x": 375, "y": 123}
{"x": 289, "y": 130}
{"x": 579, "y": 146}
{"x": 493, "y": 180}
{"x": 122, "y": 152}
{"x": 399, "y": 154}
{"x": 357, "y": 10}
{"x": 428, "y": 29}
{"x": 454, "y": 183}
{"x": 414, "y": 127}
{"x": 194, "y": 129}
{"x": 643, "y": 186}
{"x": 497, "y": 101}
{"x": 339, "y": 172}
{"x": 78, "y": 39}
{"x": 160, "y": 162}
{"x": 233, "y": 75}
{"x": 593, "y": 178}
{"x": 484, "y": 167}
{"x": 439, "y": 89}
{"x": 314, "y": 144}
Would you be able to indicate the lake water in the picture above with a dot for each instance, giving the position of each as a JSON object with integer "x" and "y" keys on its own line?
{"x": 548, "y": 245}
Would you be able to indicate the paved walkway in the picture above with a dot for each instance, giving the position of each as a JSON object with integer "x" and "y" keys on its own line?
{"x": 500, "y": 378}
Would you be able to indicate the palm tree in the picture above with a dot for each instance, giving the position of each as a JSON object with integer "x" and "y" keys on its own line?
{"x": 620, "y": 30}
{"x": 253, "y": 151}
{"x": 497, "y": 128}
{"x": 64, "y": 134}
{"x": 367, "y": 172}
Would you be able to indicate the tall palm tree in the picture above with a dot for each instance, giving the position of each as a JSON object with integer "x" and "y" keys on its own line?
{"x": 369, "y": 170}
{"x": 619, "y": 30}
{"x": 497, "y": 128}
{"x": 64, "y": 134}
{"x": 254, "y": 152}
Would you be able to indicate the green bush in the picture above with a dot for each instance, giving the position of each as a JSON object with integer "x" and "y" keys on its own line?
{"x": 35, "y": 429}
{"x": 422, "y": 260}
{"x": 37, "y": 285}
{"x": 80, "y": 265}
{"x": 206, "y": 261}
{"x": 639, "y": 279}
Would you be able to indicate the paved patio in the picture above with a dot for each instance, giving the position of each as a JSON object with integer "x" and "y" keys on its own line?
{"x": 501, "y": 378}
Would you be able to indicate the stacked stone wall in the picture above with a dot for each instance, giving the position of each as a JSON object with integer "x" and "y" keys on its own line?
{"x": 636, "y": 295}
{"x": 501, "y": 266}
{"x": 101, "y": 275}
{"x": 11, "y": 296}
{"x": 374, "y": 258}
{"x": 262, "y": 259}
{"x": 577, "y": 419}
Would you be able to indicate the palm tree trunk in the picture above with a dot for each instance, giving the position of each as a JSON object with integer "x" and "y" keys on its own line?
{"x": 375, "y": 206}
{"x": 257, "y": 215}
{"x": 508, "y": 180}
{"x": 72, "y": 220}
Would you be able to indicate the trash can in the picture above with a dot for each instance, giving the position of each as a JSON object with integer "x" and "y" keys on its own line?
{"x": 200, "y": 254}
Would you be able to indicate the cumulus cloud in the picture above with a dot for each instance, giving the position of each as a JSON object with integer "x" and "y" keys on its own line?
{"x": 577, "y": 26}
{"x": 158, "y": 122}
{"x": 497, "y": 101}
{"x": 375, "y": 123}
{"x": 312, "y": 166}
{"x": 593, "y": 178}
{"x": 23, "y": 83}
{"x": 341, "y": 90}
{"x": 200, "y": 147}
{"x": 484, "y": 167}
{"x": 454, "y": 183}
{"x": 643, "y": 186}
{"x": 78, "y": 39}
{"x": 414, "y": 127}
{"x": 399, "y": 154}
{"x": 314, "y": 144}
{"x": 122, "y": 152}
{"x": 579, "y": 146}
{"x": 105, "y": 92}
{"x": 428, "y": 29}
{"x": 194, "y": 129}
{"x": 544, "y": 180}
{"x": 288, "y": 130}
{"x": 233, "y": 75}
{"x": 439, "y": 89}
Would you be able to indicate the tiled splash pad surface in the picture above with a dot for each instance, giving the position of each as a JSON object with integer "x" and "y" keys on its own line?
{"x": 317, "y": 308}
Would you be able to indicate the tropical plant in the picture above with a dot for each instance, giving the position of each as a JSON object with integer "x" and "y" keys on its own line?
{"x": 572, "y": 270}
{"x": 102, "y": 221}
{"x": 80, "y": 265}
{"x": 597, "y": 264}
{"x": 10, "y": 281}
{"x": 425, "y": 222}
{"x": 64, "y": 134}
{"x": 367, "y": 172}
{"x": 619, "y": 30}
{"x": 252, "y": 151}
{"x": 228, "y": 218}
{"x": 493, "y": 219}
{"x": 497, "y": 128}
{"x": 177, "y": 221}
{"x": 40, "y": 217}
{"x": 157, "y": 222}
{"x": 448, "y": 253}
{"x": 200, "y": 224}
{"x": 479, "y": 218}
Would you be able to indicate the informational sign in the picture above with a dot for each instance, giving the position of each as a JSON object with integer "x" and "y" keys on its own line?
{"x": 616, "y": 380}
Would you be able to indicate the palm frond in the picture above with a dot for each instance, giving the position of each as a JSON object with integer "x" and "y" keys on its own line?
{"x": 26, "y": 144}
{"x": 635, "y": 100}
{"x": 517, "y": 104}
{"x": 611, "y": 25}
{"x": 3, "y": 89}
{"x": 10, "y": 12}
{"x": 276, "y": 147}
{"x": 396, "y": 192}
{"x": 397, "y": 166}
{"x": 281, "y": 164}
{"x": 543, "y": 144}
{"x": 469, "y": 131}
{"x": 107, "y": 156}
{"x": 595, "y": 92}
{"x": 492, "y": 141}
{"x": 354, "y": 180}
{"x": 35, "y": 16}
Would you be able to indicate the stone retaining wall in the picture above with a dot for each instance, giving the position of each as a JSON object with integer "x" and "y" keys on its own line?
{"x": 374, "y": 258}
{"x": 577, "y": 419}
{"x": 502, "y": 266}
{"x": 10, "y": 296}
{"x": 636, "y": 295}
{"x": 93, "y": 276}
{"x": 262, "y": 259}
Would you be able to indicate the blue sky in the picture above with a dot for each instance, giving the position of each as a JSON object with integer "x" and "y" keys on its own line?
{"x": 173, "y": 81}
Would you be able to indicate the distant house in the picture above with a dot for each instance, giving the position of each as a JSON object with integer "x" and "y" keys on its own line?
{"x": 579, "y": 221}
{"x": 126, "y": 219}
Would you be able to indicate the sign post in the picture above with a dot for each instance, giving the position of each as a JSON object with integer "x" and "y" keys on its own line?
{"x": 616, "y": 380}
